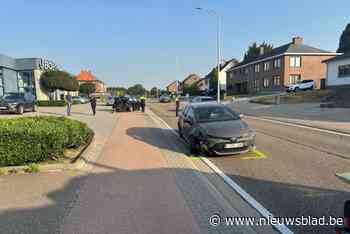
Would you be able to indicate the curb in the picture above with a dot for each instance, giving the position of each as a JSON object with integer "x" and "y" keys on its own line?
{"x": 329, "y": 130}
{"x": 73, "y": 165}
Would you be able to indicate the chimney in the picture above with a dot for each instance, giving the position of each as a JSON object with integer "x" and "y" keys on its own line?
{"x": 261, "y": 50}
{"x": 298, "y": 40}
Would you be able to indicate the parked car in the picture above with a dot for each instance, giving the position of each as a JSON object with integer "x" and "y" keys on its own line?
{"x": 164, "y": 99}
{"x": 302, "y": 85}
{"x": 215, "y": 129}
{"x": 203, "y": 99}
{"x": 17, "y": 103}
{"x": 79, "y": 99}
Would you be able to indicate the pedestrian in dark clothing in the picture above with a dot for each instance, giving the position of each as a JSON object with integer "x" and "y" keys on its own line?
{"x": 177, "y": 103}
{"x": 93, "y": 105}
{"x": 115, "y": 104}
{"x": 69, "y": 101}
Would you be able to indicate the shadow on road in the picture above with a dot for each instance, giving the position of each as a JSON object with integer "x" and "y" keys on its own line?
{"x": 150, "y": 135}
{"x": 112, "y": 193}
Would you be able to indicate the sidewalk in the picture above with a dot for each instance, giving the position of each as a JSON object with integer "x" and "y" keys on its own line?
{"x": 309, "y": 114}
{"x": 139, "y": 185}
{"x": 142, "y": 182}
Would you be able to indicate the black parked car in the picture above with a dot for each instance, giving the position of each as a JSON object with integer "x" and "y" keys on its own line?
{"x": 17, "y": 103}
{"x": 215, "y": 129}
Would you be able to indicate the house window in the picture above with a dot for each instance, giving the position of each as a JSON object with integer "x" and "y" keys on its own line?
{"x": 277, "y": 63}
{"x": 257, "y": 68}
{"x": 293, "y": 79}
{"x": 295, "y": 61}
{"x": 266, "y": 66}
{"x": 344, "y": 70}
{"x": 266, "y": 83}
{"x": 277, "y": 80}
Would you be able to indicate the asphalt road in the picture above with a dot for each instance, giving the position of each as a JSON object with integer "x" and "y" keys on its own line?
{"x": 297, "y": 176}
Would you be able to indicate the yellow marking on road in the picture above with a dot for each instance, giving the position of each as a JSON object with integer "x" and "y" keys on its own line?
{"x": 256, "y": 154}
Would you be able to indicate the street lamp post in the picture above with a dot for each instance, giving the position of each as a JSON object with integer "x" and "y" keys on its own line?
{"x": 218, "y": 46}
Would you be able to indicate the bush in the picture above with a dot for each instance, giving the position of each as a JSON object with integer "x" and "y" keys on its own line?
{"x": 37, "y": 139}
{"x": 51, "y": 103}
{"x": 55, "y": 103}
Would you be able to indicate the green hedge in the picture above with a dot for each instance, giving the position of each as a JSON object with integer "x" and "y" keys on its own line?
{"x": 37, "y": 139}
{"x": 51, "y": 103}
{"x": 55, "y": 103}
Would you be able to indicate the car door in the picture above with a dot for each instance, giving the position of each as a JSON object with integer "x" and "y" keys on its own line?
{"x": 26, "y": 101}
{"x": 188, "y": 123}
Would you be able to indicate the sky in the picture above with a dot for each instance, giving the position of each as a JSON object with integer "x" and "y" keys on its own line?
{"x": 154, "y": 42}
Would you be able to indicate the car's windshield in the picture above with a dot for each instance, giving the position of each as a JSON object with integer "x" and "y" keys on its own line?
{"x": 214, "y": 113}
{"x": 12, "y": 97}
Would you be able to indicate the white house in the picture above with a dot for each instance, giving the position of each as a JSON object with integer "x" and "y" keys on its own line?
{"x": 338, "y": 71}
{"x": 223, "y": 75}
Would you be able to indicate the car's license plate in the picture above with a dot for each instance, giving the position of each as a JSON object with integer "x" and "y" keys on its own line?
{"x": 234, "y": 145}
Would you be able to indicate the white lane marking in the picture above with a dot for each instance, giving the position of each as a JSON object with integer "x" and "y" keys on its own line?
{"x": 251, "y": 201}
{"x": 298, "y": 125}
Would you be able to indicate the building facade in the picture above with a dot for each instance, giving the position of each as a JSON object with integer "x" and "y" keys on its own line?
{"x": 203, "y": 84}
{"x": 23, "y": 75}
{"x": 87, "y": 77}
{"x": 188, "y": 81}
{"x": 338, "y": 71}
{"x": 227, "y": 65}
{"x": 284, "y": 66}
{"x": 173, "y": 87}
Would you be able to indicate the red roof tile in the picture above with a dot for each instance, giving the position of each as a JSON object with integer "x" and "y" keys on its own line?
{"x": 85, "y": 76}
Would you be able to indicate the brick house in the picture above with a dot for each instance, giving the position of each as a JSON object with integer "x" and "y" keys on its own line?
{"x": 188, "y": 81}
{"x": 173, "y": 87}
{"x": 88, "y": 77}
{"x": 283, "y": 66}
{"x": 203, "y": 84}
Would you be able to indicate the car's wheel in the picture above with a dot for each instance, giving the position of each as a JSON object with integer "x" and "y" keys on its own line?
{"x": 35, "y": 108}
{"x": 194, "y": 146}
{"x": 20, "y": 110}
{"x": 312, "y": 88}
{"x": 180, "y": 131}
{"x": 296, "y": 89}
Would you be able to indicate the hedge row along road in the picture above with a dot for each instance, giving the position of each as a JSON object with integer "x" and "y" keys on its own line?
{"x": 38, "y": 139}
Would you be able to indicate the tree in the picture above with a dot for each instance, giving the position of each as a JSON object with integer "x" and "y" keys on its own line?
{"x": 253, "y": 50}
{"x": 117, "y": 91}
{"x": 137, "y": 89}
{"x": 344, "y": 42}
{"x": 192, "y": 89}
{"x": 87, "y": 88}
{"x": 58, "y": 80}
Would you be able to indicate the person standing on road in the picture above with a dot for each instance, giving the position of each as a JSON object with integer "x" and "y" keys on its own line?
{"x": 69, "y": 101}
{"x": 143, "y": 103}
{"x": 177, "y": 103}
{"x": 93, "y": 104}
